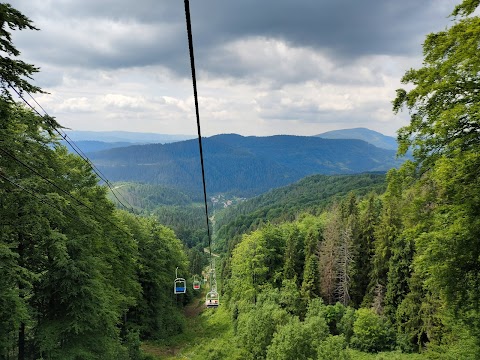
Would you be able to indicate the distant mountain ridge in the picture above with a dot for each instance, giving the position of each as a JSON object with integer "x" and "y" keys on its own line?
{"x": 90, "y": 141}
{"x": 370, "y": 136}
{"x": 125, "y": 136}
{"x": 88, "y": 146}
{"x": 243, "y": 166}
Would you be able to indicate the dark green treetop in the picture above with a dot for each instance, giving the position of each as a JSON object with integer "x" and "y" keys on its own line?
{"x": 14, "y": 72}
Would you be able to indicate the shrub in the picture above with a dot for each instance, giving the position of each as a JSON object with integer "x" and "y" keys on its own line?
{"x": 333, "y": 315}
{"x": 255, "y": 328}
{"x": 315, "y": 324}
{"x": 291, "y": 341}
{"x": 463, "y": 347}
{"x": 345, "y": 326}
{"x": 371, "y": 332}
{"x": 333, "y": 347}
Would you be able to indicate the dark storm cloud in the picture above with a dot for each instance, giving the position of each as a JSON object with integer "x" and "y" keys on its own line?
{"x": 88, "y": 33}
{"x": 145, "y": 11}
{"x": 343, "y": 30}
{"x": 350, "y": 27}
{"x": 105, "y": 34}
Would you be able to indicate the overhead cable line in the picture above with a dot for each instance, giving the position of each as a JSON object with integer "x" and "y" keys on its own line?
{"x": 72, "y": 144}
{"x": 194, "y": 80}
{"x": 59, "y": 188}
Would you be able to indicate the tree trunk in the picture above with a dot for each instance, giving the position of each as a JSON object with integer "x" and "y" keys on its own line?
{"x": 21, "y": 342}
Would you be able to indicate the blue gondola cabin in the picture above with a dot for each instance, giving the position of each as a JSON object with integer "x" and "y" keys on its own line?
{"x": 179, "y": 286}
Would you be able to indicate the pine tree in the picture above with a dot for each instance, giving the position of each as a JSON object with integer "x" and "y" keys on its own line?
{"x": 363, "y": 265}
{"x": 13, "y": 72}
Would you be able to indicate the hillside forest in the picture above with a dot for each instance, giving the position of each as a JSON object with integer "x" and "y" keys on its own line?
{"x": 358, "y": 266}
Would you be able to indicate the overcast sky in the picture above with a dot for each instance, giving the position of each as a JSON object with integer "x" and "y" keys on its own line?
{"x": 264, "y": 67}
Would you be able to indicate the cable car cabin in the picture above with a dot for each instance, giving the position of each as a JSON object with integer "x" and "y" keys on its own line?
{"x": 212, "y": 300}
{"x": 179, "y": 286}
{"x": 196, "y": 283}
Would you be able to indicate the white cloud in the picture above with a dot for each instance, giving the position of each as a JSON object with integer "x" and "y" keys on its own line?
{"x": 115, "y": 65}
{"x": 123, "y": 102}
{"x": 79, "y": 104}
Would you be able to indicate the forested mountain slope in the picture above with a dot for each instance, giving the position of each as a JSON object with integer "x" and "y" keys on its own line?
{"x": 88, "y": 146}
{"x": 146, "y": 197}
{"x": 182, "y": 212}
{"x": 311, "y": 195}
{"x": 240, "y": 165}
{"x": 125, "y": 136}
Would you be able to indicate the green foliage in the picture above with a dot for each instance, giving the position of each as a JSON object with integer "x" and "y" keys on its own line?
{"x": 256, "y": 328}
{"x": 453, "y": 236}
{"x": 333, "y": 316}
{"x": 310, "y": 285}
{"x": 340, "y": 320}
{"x": 315, "y": 323}
{"x": 316, "y": 308}
{"x": 291, "y": 341}
{"x": 412, "y": 317}
{"x": 345, "y": 325}
{"x": 289, "y": 297}
{"x": 294, "y": 254}
{"x": 147, "y": 197}
{"x": 160, "y": 252}
{"x": 369, "y": 214}
{"x": 371, "y": 332}
{"x": 13, "y": 309}
{"x": 188, "y": 222}
{"x": 388, "y": 228}
{"x": 398, "y": 275}
{"x": 459, "y": 345}
{"x": 180, "y": 211}
{"x": 466, "y": 7}
{"x": 13, "y": 72}
{"x": 390, "y": 355}
{"x": 333, "y": 347}
{"x": 71, "y": 275}
{"x": 207, "y": 336}
{"x": 444, "y": 102}
{"x": 297, "y": 339}
{"x": 132, "y": 342}
{"x": 256, "y": 262}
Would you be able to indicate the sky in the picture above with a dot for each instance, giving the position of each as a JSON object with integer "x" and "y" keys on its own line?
{"x": 269, "y": 67}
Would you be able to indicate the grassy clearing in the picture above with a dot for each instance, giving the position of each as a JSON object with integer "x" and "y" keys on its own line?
{"x": 208, "y": 335}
